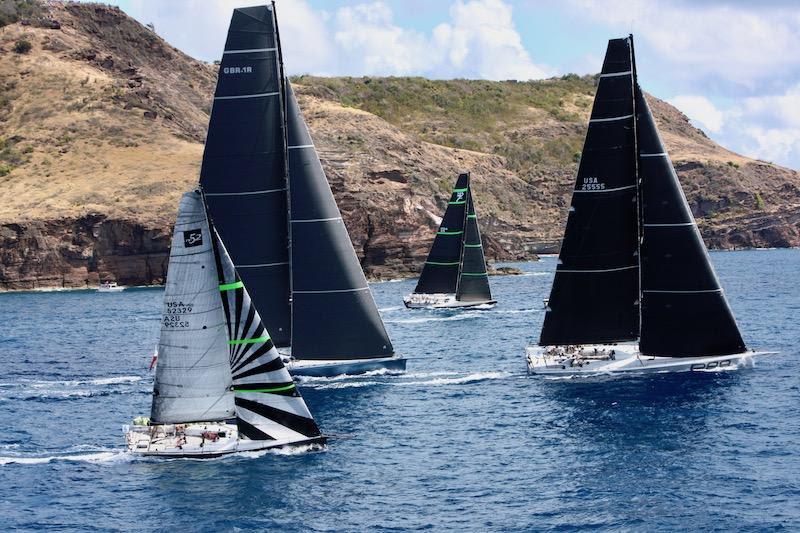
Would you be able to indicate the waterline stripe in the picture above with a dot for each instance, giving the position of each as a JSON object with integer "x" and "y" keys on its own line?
{"x": 334, "y": 290}
{"x": 231, "y": 286}
{"x": 249, "y": 50}
{"x": 265, "y": 191}
{"x": 275, "y": 389}
{"x": 609, "y": 190}
{"x": 262, "y": 265}
{"x": 249, "y": 341}
{"x": 256, "y": 95}
{"x": 595, "y": 271}
{"x": 317, "y": 219}
{"x": 611, "y": 119}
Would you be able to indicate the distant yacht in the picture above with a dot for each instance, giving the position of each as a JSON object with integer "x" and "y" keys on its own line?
{"x": 220, "y": 384}
{"x": 110, "y": 286}
{"x": 272, "y": 204}
{"x": 454, "y": 275}
{"x": 634, "y": 289}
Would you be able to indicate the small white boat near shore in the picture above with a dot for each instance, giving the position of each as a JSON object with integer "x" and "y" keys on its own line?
{"x": 110, "y": 286}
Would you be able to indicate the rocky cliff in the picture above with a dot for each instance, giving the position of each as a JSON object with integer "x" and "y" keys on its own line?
{"x": 102, "y": 124}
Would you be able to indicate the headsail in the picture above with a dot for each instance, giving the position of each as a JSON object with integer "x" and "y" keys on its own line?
{"x": 333, "y": 313}
{"x": 684, "y": 311}
{"x": 595, "y": 292}
{"x": 193, "y": 376}
{"x": 441, "y": 270}
{"x": 473, "y": 284}
{"x": 244, "y": 172}
{"x": 268, "y": 404}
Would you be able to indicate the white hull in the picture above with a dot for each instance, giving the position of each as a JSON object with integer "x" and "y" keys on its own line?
{"x": 110, "y": 289}
{"x": 352, "y": 367}
{"x": 440, "y": 301}
{"x": 197, "y": 440}
{"x": 624, "y": 359}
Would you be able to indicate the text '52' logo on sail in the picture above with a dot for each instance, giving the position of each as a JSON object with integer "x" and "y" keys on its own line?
{"x": 192, "y": 237}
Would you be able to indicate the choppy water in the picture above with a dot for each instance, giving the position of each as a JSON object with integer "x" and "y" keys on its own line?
{"x": 463, "y": 441}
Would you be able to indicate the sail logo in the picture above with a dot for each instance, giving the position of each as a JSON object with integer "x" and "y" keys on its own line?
{"x": 193, "y": 237}
{"x": 591, "y": 184}
{"x": 237, "y": 70}
{"x": 459, "y": 196}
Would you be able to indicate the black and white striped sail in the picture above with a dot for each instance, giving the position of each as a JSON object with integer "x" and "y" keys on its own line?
{"x": 440, "y": 274}
{"x": 244, "y": 171}
{"x": 594, "y": 297}
{"x": 473, "y": 283}
{"x": 193, "y": 376}
{"x": 333, "y": 313}
{"x": 268, "y": 404}
{"x": 684, "y": 311}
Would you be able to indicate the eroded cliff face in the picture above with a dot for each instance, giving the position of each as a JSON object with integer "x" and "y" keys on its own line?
{"x": 81, "y": 253}
{"x": 102, "y": 124}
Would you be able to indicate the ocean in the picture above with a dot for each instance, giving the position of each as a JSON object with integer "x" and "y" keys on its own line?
{"x": 463, "y": 441}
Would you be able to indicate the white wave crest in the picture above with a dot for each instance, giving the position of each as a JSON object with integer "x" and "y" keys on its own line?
{"x": 97, "y": 457}
{"x": 421, "y": 320}
{"x": 459, "y": 380}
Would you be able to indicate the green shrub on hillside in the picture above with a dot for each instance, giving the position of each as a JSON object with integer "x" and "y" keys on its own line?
{"x": 22, "y": 46}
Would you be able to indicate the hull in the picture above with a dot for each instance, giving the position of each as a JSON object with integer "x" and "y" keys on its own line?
{"x": 197, "y": 440}
{"x": 110, "y": 289}
{"x": 440, "y": 301}
{"x": 327, "y": 369}
{"x": 624, "y": 359}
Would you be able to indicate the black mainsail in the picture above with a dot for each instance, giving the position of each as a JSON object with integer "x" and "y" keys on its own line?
{"x": 633, "y": 264}
{"x": 326, "y": 273}
{"x": 684, "y": 310}
{"x": 595, "y": 292}
{"x": 442, "y": 269}
{"x": 473, "y": 282}
{"x": 244, "y": 163}
{"x": 272, "y": 205}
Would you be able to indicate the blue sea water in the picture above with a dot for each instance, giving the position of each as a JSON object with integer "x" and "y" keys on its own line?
{"x": 462, "y": 441}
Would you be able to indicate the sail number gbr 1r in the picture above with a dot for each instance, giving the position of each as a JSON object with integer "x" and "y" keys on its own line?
{"x": 175, "y": 315}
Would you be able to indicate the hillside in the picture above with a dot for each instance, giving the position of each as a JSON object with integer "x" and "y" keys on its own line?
{"x": 102, "y": 124}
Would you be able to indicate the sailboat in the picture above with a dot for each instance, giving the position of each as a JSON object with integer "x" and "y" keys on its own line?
{"x": 220, "y": 385}
{"x": 272, "y": 205}
{"x": 454, "y": 275}
{"x": 634, "y": 288}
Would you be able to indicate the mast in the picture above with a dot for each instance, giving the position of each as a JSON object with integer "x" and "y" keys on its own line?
{"x": 441, "y": 271}
{"x": 473, "y": 284}
{"x": 684, "y": 310}
{"x": 244, "y": 163}
{"x": 596, "y": 285}
{"x": 333, "y": 313}
{"x": 639, "y": 232}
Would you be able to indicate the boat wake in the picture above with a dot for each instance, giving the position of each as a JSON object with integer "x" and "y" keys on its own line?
{"x": 421, "y": 379}
{"x": 102, "y": 456}
{"x": 422, "y": 320}
{"x": 34, "y": 390}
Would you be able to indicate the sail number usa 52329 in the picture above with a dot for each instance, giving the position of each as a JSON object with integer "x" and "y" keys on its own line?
{"x": 175, "y": 314}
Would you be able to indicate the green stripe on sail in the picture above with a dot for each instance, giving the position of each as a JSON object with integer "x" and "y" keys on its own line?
{"x": 231, "y": 286}
{"x": 449, "y": 232}
{"x": 441, "y": 264}
{"x": 472, "y": 246}
{"x": 249, "y": 341}
{"x": 474, "y": 274}
{"x": 462, "y": 202}
{"x": 275, "y": 389}
{"x": 472, "y": 216}
{"x": 460, "y": 190}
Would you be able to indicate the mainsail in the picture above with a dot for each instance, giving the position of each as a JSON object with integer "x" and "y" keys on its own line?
{"x": 244, "y": 171}
{"x": 333, "y": 313}
{"x": 595, "y": 292}
{"x": 473, "y": 283}
{"x": 268, "y": 404}
{"x": 684, "y": 311}
{"x": 440, "y": 274}
{"x": 193, "y": 377}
